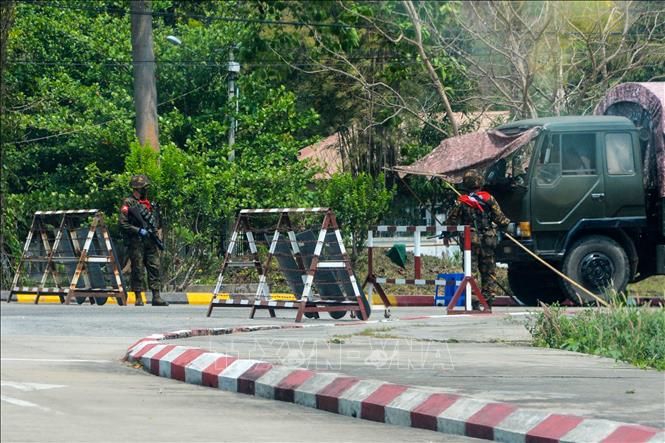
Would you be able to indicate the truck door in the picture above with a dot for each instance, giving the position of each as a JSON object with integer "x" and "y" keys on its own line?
{"x": 566, "y": 185}
{"x": 624, "y": 194}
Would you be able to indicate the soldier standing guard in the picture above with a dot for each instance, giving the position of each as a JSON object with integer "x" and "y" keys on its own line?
{"x": 481, "y": 211}
{"x": 142, "y": 249}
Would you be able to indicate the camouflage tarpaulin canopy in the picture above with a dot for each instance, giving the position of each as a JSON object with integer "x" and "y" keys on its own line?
{"x": 476, "y": 150}
{"x": 644, "y": 104}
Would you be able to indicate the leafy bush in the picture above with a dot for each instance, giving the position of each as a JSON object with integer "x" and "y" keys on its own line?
{"x": 634, "y": 335}
{"x": 358, "y": 202}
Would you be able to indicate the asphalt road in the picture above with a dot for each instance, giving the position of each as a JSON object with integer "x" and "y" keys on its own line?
{"x": 486, "y": 357}
{"x": 63, "y": 381}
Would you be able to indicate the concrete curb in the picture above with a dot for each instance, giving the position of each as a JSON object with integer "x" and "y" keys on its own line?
{"x": 178, "y": 298}
{"x": 203, "y": 298}
{"x": 373, "y": 399}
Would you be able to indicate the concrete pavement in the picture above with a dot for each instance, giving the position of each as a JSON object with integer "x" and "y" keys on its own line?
{"x": 375, "y": 400}
{"x": 481, "y": 356}
{"x": 63, "y": 381}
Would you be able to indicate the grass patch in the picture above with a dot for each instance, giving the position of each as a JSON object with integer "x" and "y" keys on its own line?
{"x": 633, "y": 335}
{"x": 382, "y": 332}
{"x": 653, "y": 286}
{"x": 338, "y": 339}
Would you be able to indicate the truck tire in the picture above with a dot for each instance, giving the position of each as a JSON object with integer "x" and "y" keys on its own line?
{"x": 599, "y": 264}
{"x": 531, "y": 284}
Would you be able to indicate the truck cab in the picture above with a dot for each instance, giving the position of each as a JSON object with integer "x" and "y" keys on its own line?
{"x": 576, "y": 194}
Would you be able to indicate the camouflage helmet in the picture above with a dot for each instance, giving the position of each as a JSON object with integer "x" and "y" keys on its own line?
{"x": 139, "y": 181}
{"x": 472, "y": 180}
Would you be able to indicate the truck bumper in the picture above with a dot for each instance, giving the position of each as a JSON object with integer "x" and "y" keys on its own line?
{"x": 508, "y": 252}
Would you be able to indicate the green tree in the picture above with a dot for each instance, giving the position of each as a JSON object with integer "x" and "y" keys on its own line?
{"x": 358, "y": 202}
{"x": 68, "y": 138}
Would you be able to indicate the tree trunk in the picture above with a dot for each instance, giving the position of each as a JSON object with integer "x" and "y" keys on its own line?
{"x": 145, "y": 90}
{"x": 438, "y": 85}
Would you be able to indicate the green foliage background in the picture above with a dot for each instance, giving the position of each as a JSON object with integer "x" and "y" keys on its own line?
{"x": 67, "y": 126}
{"x": 68, "y": 130}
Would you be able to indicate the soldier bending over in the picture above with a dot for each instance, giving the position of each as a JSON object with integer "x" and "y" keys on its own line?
{"x": 481, "y": 211}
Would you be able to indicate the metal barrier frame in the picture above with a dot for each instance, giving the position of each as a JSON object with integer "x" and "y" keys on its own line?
{"x": 82, "y": 256}
{"x": 468, "y": 283}
{"x": 262, "y": 297}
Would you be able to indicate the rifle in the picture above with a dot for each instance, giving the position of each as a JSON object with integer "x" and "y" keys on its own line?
{"x": 445, "y": 235}
{"x": 135, "y": 212}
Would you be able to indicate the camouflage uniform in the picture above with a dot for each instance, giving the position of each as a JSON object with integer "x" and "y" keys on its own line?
{"x": 480, "y": 211}
{"x": 142, "y": 250}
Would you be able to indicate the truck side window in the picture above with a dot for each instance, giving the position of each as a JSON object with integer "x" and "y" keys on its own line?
{"x": 549, "y": 162}
{"x": 619, "y": 151}
{"x": 578, "y": 154}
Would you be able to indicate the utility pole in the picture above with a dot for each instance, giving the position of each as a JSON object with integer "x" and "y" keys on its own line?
{"x": 233, "y": 69}
{"x": 143, "y": 58}
{"x": 6, "y": 21}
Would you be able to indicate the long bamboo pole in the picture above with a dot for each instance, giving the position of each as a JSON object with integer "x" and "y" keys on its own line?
{"x": 528, "y": 251}
{"x": 556, "y": 271}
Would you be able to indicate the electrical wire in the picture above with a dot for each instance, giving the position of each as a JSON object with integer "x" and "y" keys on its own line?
{"x": 217, "y": 64}
{"x": 204, "y": 63}
{"x": 202, "y": 17}
{"x": 74, "y": 131}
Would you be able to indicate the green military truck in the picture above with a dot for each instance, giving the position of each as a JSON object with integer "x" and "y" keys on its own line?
{"x": 586, "y": 194}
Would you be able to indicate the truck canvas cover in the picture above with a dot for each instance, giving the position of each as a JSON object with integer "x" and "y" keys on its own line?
{"x": 644, "y": 104}
{"x": 455, "y": 155}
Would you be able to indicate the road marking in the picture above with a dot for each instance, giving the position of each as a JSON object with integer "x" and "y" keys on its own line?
{"x": 23, "y": 403}
{"x": 28, "y": 387}
{"x": 55, "y": 360}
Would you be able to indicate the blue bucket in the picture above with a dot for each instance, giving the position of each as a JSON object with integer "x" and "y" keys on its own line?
{"x": 444, "y": 294}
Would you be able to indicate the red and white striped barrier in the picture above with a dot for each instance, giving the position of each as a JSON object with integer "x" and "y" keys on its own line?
{"x": 468, "y": 283}
{"x": 282, "y": 210}
{"x": 376, "y": 400}
{"x": 307, "y": 302}
{"x": 63, "y": 232}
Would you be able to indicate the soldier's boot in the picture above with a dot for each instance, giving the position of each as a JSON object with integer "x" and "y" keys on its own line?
{"x": 489, "y": 298}
{"x": 139, "y": 298}
{"x": 157, "y": 300}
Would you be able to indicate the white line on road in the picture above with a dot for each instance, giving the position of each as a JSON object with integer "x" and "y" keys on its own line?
{"x": 23, "y": 403}
{"x": 28, "y": 387}
{"x": 55, "y": 360}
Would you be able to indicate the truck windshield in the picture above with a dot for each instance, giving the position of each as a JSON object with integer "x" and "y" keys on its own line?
{"x": 514, "y": 168}
{"x": 519, "y": 161}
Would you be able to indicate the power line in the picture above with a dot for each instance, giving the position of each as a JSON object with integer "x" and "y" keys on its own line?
{"x": 217, "y": 64}
{"x": 205, "y": 63}
{"x": 203, "y": 17}
{"x": 74, "y": 131}
{"x": 283, "y": 22}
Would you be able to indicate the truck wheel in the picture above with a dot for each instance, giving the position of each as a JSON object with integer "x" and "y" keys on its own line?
{"x": 599, "y": 264}
{"x": 531, "y": 284}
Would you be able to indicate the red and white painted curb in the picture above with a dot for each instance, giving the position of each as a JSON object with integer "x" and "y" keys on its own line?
{"x": 373, "y": 399}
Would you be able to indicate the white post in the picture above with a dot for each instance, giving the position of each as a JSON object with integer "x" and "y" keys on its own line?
{"x": 416, "y": 253}
{"x": 467, "y": 264}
